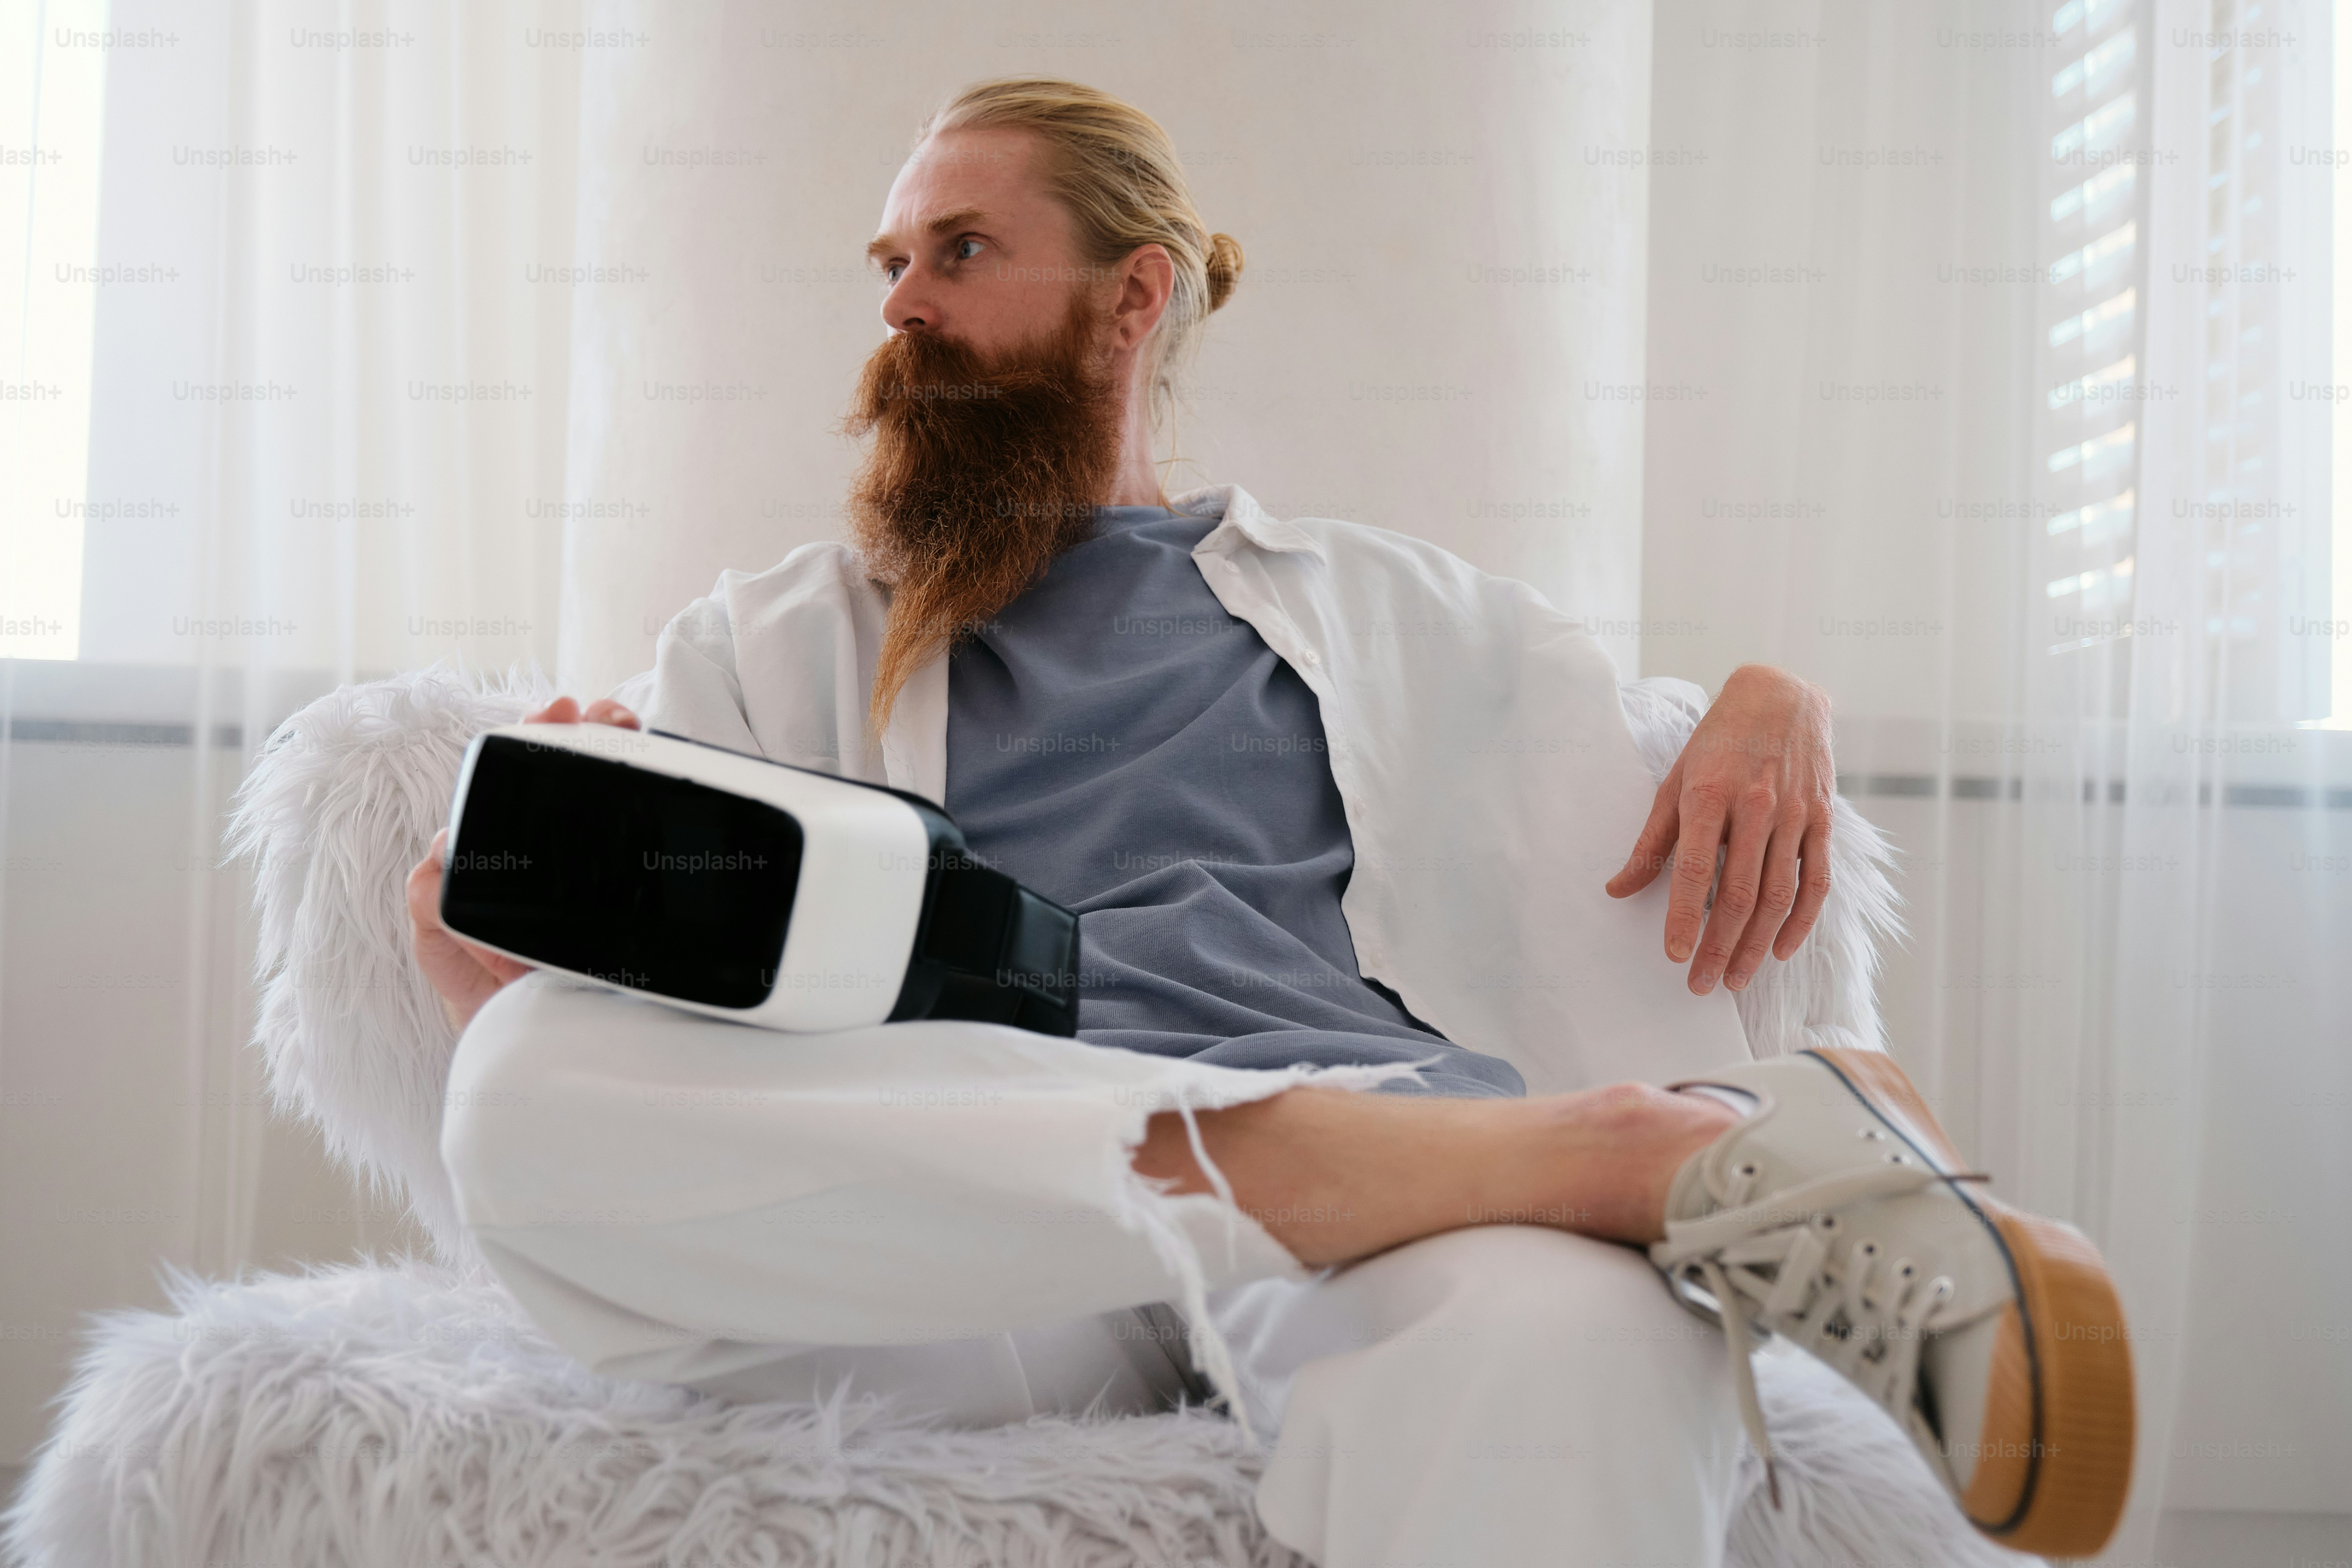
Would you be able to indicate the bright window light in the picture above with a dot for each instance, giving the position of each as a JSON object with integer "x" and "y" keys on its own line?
{"x": 2339, "y": 596}
{"x": 52, "y": 98}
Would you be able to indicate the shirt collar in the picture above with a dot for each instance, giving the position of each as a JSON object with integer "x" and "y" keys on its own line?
{"x": 1244, "y": 518}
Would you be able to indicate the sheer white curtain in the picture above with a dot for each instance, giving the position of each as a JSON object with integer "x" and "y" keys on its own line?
{"x": 2002, "y": 324}
{"x": 318, "y": 258}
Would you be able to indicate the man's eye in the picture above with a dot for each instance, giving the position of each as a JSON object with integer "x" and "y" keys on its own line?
{"x": 890, "y": 273}
{"x": 960, "y": 255}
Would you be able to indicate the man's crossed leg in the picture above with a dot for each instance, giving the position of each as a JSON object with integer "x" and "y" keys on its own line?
{"x": 1488, "y": 1376}
{"x": 945, "y": 1211}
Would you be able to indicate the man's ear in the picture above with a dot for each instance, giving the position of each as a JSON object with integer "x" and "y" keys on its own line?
{"x": 1146, "y": 282}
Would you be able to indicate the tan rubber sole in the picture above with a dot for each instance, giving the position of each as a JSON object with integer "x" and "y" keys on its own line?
{"x": 2055, "y": 1457}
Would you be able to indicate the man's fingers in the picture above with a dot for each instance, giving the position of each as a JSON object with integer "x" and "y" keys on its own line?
{"x": 1736, "y": 893}
{"x": 1812, "y": 887}
{"x": 425, "y": 881}
{"x": 564, "y": 710}
{"x": 1704, "y": 811}
{"x": 424, "y": 894}
{"x": 462, "y": 974}
{"x": 1655, "y": 841}
{"x": 1773, "y": 901}
{"x": 501, "y": 966}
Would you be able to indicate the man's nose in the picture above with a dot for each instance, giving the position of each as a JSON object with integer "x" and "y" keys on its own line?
{"x": 910, "y": 307}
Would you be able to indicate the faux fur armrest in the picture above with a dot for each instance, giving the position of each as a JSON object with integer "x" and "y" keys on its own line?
{"x": 1824, "y": 995}
{"x": 342, "y": 802}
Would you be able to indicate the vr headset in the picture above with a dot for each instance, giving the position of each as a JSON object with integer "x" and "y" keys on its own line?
{"x": 742, "y": 889}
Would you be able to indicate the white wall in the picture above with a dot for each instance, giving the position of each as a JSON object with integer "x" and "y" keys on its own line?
{"x": 1380, "y": 165}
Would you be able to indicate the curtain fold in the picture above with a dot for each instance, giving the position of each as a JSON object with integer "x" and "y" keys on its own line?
{"x": 1999, "y": 316}
{"x": 328, "y": 303}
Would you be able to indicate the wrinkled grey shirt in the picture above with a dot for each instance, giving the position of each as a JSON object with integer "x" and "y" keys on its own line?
{"x": 1120, "y": 743}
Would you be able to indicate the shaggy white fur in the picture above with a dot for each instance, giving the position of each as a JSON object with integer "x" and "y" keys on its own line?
{"x": 408, "y": 1415}
{"x": 344, "y": 800}
{"x": 404, "y": 1416}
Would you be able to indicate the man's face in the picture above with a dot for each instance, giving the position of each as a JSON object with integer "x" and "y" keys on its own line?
{"x": 993, "y": 408}
{"x": 972, "y": 245}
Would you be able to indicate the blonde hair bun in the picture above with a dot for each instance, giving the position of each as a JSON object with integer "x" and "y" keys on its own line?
{"x": 1224, "y": 267}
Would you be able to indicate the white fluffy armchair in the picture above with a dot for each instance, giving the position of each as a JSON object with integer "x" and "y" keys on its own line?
{"x": 393, "y": 1414}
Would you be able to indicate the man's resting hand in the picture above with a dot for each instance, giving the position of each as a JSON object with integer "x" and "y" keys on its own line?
{"x": 467, "y": 975}
{"x": 1757, "y": 771}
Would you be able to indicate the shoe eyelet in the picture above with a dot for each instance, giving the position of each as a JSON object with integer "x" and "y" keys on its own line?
{"x": 1898, "y": 1159}
{"x": 1872, "y": 1133}
{"x": 1868, "y": 1248}
{"x": 1750, "y": 1169}
{"x": 1825, "y": 1222}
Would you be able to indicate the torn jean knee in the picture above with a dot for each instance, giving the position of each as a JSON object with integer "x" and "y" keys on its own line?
{"x": 666, "y": 1195}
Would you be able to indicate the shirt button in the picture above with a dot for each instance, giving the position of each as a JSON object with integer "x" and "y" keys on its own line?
{"x": 1311, "y": 658}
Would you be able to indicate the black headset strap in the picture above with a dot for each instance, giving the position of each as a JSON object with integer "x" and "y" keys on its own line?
{"x": 1004, "y": 954}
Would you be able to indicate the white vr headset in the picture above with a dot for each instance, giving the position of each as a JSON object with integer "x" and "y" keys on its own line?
{"x": 742, "y": 889}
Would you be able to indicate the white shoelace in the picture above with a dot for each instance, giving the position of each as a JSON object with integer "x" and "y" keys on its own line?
{"x": 1780, "y": 1259}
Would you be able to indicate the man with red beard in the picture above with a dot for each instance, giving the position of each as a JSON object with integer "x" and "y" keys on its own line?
{"x": 1319, "y": 795}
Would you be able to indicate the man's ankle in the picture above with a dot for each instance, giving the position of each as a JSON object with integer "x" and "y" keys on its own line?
{"x": 1616, "y": 1152}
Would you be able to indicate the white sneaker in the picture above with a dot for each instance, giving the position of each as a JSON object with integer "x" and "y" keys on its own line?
{"x": 1839, "y": 1215}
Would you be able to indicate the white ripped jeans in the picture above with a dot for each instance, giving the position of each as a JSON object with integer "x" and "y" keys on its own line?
{"x": 945, "y": 1211}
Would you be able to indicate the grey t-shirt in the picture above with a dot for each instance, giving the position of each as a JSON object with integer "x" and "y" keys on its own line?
{"x": 1121, "y": 744}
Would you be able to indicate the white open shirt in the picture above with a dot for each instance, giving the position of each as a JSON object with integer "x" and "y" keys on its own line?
{"x": 1477, "y": 736}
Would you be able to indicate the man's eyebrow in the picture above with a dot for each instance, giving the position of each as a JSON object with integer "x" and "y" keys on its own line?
{"x": 881, "y": 245}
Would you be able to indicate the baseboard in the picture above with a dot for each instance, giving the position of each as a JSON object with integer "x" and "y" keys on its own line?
{"x": 2216, "y": 1538}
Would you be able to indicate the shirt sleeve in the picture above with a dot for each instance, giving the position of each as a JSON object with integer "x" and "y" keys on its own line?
{"x": 692, "y": 690}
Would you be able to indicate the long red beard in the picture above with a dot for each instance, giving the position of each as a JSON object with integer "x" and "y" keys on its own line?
{"x": 982, "y": 473}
